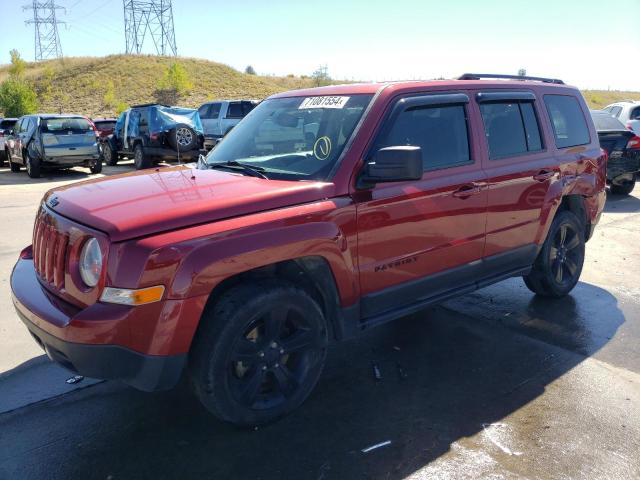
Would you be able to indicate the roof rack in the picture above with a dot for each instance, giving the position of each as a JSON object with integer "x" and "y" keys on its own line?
{"x": 478, "y": 76}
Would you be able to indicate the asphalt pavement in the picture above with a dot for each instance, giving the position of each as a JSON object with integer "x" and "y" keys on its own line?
{"x": 496, "y": 384}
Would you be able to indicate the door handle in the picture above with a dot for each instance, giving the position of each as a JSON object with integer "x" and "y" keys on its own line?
{"x": 544, "y": 175}
{"x": 465, "y": 191}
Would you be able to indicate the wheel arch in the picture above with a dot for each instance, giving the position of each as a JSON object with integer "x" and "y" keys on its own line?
{"x": 312, "y": 273}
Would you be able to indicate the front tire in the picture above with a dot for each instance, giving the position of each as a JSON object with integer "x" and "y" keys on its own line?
{"x": 258, "y": 353}
{"x": 557, "y": 268}
{"x": 109, "y": 155}
{"x": 140, "y": 159}
{"x": 625, "y": 187}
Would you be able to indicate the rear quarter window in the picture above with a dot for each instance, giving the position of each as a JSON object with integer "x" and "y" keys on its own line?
{"x": 568, "y": 121}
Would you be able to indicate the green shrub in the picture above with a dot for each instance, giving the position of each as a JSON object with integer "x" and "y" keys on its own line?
{"x": 17, "y": 98}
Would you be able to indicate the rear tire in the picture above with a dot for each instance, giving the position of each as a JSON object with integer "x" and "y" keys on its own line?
{"x": 140, "y": 159}
{"x": 625, "y": 187}
{"x": 258, "y": 353}
{"x": 557, "y": 268}
{"x": 96, "y": 167}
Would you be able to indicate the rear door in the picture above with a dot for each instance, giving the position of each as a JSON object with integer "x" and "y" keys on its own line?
{"x": 68, "y": 137}
{"x": 233, "y": 115}
{"x": 419, "y": 239}
{"x": 634, "y": 120}
{"x": 520, "y": 169}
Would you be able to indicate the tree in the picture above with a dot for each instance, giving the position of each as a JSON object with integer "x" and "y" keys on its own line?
{"x": 249, "y": 70}
{"x": 321, "y": 77}
{"x": 174, "y": 84}
{"x": 121, "y": 107}
{"x": 522, "y": 72}
{"x": 17, "y": 96}
{"x": 109, "y": 98}
{"x": 18, "y": 65}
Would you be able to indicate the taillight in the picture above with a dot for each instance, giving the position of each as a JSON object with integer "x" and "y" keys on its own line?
{"x": 629, "y": 126}
{"x": 634, "y": 143}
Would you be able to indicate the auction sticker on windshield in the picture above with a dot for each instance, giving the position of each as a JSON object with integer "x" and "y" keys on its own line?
{"x": 323, "y": 102}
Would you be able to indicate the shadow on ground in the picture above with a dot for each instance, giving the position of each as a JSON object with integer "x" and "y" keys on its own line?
{"x": 462, "y": 371}
{"x": 622, "y": 203}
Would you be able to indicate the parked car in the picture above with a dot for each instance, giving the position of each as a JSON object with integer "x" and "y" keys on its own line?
{"x": 47, "y": 141}
{"x": 153, "y": 132}
{"x": 333, "y": 210}
{"x": 628, "y": 112}
{"x": 623, "y": 148}
{"x": 218, "y": 118}
{"x": 104, "y": 127}
{"x": 6, "y": 125}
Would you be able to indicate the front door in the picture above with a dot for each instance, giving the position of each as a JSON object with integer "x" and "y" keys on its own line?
{"x": 421, "y": 239}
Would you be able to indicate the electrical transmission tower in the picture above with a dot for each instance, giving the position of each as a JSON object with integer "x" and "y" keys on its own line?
{"x": 154, "y": 17}
{"x": 46, "y": 28}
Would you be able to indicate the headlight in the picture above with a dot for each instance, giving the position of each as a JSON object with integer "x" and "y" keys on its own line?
{"x": 90, "y": 262}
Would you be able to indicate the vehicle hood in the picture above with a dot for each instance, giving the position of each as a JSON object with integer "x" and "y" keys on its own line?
{"x": 148, "y": 202}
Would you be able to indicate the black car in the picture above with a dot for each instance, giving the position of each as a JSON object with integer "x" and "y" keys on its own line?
{"x": 623, "y": 147}
{"x": 49, "y": 141}
{"x": 153, "y": 132}
{"x": 6, "y": 125}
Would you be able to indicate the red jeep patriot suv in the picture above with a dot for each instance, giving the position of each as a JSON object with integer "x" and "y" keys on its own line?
{"x": 325, "y": 212}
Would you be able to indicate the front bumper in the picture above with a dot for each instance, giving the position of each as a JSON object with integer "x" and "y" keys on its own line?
{"x": 44, "y": 313}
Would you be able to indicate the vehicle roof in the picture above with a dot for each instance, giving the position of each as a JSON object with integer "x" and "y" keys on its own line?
{"x": 10, "y": 119}
{"x": 371, "y": 88}
{"x": 231, "y": 100}
{"x": 55, "y": 115}
{"x": 104, "y": 119}
{"x": 624, "y": 103}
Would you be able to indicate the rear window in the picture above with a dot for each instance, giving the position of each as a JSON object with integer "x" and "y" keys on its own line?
{"x": 569, "y": 125}
{"x": 105, "y": 125}
{"x": 604, "y": 121}
{"x": 65, "y": 125}
{"x": 5, "y": 124}
{"x": 511, "y": 128}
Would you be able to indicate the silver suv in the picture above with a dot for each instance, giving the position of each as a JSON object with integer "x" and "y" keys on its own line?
{"x": 221, "y": 116}
{"x": 628, "y": 112}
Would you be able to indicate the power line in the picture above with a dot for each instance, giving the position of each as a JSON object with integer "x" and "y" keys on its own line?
{"x": 154, "y": 17}
{"x": 47, "y": 40}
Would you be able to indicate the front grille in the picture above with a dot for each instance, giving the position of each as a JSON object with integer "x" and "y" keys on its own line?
{"x": 49, "y": 251}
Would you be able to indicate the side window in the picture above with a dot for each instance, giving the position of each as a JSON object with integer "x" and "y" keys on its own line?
{"x": 441, "y": 133}
{"x": 569, "y": 125}
{"x": 214, "y": 110}
{"x": 234, "y": 110}
{"x": 615, "y": 111}
{"x": 511, "y": 128}
{"x": 247, "y": 107}
{"x": 203, "y": 111}
{"x": 635, "y": 114}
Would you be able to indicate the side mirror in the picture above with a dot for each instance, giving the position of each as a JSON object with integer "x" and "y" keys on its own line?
{"x": 394, "y": 164}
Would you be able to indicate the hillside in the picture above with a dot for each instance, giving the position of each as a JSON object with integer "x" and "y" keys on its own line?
{"x": 79, "y": 85}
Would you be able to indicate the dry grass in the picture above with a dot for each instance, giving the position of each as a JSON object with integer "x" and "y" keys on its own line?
{"x": 79, "y": 84}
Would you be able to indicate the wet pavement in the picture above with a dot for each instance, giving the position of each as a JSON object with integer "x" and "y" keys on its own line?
{"x": 496, "y": 384}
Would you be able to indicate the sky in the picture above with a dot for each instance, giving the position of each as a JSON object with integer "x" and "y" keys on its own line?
{"x": 589, "y": 43}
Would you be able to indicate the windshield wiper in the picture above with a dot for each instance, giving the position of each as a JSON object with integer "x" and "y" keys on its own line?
{"x": 234, "y": 165}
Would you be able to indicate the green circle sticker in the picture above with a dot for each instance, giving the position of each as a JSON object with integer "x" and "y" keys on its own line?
{"x": 322, "y": 148}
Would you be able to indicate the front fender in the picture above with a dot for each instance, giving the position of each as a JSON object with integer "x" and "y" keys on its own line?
{"x": 193, "y": 261}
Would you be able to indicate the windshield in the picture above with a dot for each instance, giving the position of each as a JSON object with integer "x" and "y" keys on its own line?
{"x": 293, "y": 138}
